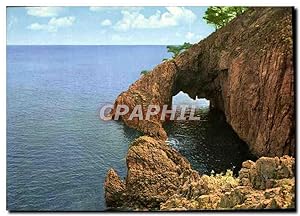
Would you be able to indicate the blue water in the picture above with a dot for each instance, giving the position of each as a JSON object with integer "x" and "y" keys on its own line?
{"x": 58, "y": 151}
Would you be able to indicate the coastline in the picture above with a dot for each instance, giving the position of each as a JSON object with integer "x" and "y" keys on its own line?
{"x": 231, "y": 78}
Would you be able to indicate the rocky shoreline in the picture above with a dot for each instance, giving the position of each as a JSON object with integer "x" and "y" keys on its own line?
{"x": 160, "y": 178}
{"x": 246, "y": 71}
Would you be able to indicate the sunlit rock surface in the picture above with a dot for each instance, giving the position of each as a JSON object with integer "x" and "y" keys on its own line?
{"x": 245, "y": 69}
{"x": 159, "y": 178}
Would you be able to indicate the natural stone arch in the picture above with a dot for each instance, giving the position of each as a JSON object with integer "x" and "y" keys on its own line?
{"x": 245, "y": 69}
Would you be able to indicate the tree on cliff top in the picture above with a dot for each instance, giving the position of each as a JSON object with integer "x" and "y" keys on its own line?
{"x": 220, "y": 16}
{"x": 176, "y": 50}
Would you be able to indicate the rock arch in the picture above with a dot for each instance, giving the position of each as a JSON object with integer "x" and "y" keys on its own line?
{"x": 245, "y": 69}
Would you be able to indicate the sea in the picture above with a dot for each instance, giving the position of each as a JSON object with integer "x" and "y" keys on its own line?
{"x": 59, "y": 151}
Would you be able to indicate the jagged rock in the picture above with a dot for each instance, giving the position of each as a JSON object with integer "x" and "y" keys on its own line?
{"x": 155, "y": 172}
{"x": 245, "y": 69}
{"x": 228, "y": 192}
{"x": 114, "y": 189}
{"x": 159, "y": 178}
{"x": 264, "y": 173}
{"x": 155, "y": 88}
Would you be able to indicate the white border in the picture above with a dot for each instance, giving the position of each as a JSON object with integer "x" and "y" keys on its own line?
{"x": 4, "y": 3}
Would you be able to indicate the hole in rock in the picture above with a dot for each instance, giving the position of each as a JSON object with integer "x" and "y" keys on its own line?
{"x": 209, "y": 143}
{"x": 183, "y": 98}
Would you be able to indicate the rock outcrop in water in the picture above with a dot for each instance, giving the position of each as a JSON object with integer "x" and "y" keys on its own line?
{"x": 245, "y": 69}
{"x": 154, "y": 173}
{"x": 159, "y": 178}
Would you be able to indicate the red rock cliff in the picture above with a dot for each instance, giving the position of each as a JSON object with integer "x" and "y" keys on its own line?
{"x": 245, "y": 69}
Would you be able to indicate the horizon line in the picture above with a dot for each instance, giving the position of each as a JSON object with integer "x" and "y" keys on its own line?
{"x": 93, "y": 44}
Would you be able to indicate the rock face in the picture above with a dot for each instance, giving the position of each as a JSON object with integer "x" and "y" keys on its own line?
{"x": 159, "y": 178}
{"x": 154, "y": 88}
{"x": 245, "y": 69}
{"x": 154, "y": 173}
{"x": 114, "y": 189}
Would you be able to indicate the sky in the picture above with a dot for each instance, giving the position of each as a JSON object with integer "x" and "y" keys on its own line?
{"x": 106, "y": 25}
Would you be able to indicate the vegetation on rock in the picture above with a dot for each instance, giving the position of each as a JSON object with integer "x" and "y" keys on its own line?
{"x": 143, "y": 72}
{"x": 176, "y": 50}
{"x": 220, "y": 16}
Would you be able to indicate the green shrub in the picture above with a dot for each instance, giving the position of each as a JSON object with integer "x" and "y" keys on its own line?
{"x": 143, "y": 72}
{"x": 220, "y": 16}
